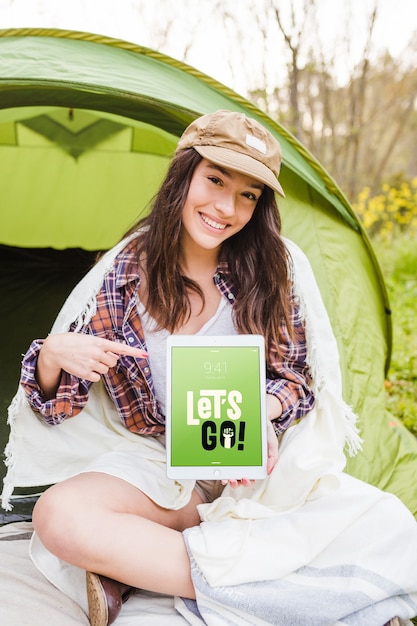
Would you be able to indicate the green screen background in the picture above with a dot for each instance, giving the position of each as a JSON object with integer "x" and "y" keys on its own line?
{"x": 199, "y": 369}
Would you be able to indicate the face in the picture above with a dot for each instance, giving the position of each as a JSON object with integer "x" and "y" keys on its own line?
{"x": 220, "y": 202}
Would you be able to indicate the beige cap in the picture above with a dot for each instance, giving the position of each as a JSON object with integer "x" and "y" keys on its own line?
{"x": 237, "y": 142}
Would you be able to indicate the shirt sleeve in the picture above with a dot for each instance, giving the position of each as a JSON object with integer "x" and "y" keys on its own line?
{"x": 71, "y": 395}
{"x": 289, "y": 376}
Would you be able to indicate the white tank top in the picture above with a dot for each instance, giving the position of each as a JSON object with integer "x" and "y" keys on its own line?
{"x": 220, "y": 324}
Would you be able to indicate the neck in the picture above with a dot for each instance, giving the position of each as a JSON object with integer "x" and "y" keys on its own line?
{"x": 197, "y": 262}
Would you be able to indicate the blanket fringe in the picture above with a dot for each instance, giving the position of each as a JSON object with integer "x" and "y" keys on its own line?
{"x": 9, "y": 460}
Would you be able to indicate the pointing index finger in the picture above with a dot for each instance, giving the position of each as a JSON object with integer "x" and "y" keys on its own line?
{"x": 124, "y": 349}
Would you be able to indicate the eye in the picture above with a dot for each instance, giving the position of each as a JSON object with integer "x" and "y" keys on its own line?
{"x": 251, "y": 196}
{"x": 215, "y": 179}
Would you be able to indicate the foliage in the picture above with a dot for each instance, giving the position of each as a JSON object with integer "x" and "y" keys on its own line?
{"x": 397, "y": 256}
{"x": 391, "y": 212}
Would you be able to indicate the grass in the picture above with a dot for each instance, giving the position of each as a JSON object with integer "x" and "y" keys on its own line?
{"x": 398, "y": 261}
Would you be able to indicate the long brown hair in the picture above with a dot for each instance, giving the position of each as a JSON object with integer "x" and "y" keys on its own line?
{"x": 257, "y": 259}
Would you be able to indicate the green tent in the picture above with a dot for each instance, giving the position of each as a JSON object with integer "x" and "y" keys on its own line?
{"x": 87, "y": 127}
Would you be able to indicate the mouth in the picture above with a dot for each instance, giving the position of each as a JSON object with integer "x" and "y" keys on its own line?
{"x": 212, "y": 223}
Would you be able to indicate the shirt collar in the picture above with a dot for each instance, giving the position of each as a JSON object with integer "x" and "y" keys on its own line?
{"x": 223, "y": 268}
{"x": 127, "y": 270}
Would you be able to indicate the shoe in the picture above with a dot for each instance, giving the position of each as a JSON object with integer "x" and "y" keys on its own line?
{"x": 393, "y": 622}
{"x": 105, "y": 598}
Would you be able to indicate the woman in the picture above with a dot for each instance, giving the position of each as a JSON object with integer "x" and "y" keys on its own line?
{"x": 209, "y": 259}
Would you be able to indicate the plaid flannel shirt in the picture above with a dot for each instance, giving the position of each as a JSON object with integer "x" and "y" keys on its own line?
{"x": 129, "y": 383}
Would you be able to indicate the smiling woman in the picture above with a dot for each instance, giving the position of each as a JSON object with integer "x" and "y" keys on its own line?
{"x": 209, "y": 230}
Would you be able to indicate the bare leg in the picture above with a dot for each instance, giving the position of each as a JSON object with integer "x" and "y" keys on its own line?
{"x": 103, "y": 524}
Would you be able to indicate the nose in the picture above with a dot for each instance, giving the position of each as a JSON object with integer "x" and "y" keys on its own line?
{"x": 225, "y": 204}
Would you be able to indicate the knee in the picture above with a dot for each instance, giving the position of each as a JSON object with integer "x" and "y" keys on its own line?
{"x": 55, "y": 520}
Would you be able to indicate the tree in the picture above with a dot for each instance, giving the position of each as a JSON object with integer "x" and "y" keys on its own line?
{"x": 355, "y": 128}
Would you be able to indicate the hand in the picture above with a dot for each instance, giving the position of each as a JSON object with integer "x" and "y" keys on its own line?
{"x": 84, "y": 356}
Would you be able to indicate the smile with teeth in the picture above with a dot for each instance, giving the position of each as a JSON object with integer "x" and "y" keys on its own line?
{"x": 212, "y": 223}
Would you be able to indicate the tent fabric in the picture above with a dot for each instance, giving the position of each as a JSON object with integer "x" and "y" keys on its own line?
{"x": 87, "y": 127}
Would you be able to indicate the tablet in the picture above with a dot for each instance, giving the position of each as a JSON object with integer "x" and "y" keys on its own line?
{"x": 216, "y": 407}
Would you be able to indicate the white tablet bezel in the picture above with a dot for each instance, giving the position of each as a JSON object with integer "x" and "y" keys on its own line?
{"x": 211, "y": 472}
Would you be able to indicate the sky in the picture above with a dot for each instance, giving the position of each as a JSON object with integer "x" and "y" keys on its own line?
{"x": 207, "y": 37}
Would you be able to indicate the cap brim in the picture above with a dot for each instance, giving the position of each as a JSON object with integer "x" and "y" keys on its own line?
{"x": 242, "y": 163}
